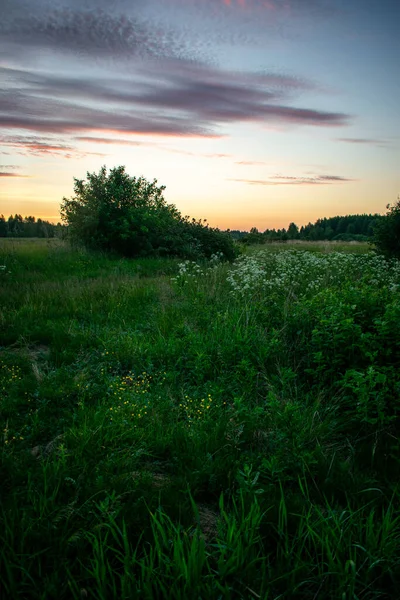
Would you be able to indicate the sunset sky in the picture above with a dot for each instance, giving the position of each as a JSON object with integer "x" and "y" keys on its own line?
{"x": 250, "y": 112}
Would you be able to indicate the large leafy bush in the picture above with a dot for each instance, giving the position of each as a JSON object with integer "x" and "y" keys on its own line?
{"x": 387, "y": 232}
{"x": 130, "y": 216}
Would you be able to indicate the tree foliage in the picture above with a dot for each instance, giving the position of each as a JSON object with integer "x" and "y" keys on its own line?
{"x": 130, "y": 216}
{"x": 339, "y": 228}
{"x": 387, "y": 232}
{"x": 17, "y": 226}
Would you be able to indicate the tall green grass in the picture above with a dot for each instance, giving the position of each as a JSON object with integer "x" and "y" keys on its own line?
{"x": 164, "y": 436}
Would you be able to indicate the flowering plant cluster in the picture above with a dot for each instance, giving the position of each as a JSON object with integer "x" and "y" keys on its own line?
{"x": 130, "y": 396}
{"x": 3, "y": 269}
{"x": 189, "y": 269}
{"x": 304, "y": 273}
{"x": 194, "y": 409}
{"x": 9, "y": 375}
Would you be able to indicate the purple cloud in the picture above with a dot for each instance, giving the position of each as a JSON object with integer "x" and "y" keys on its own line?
{"x": 11, "y": 174}
{"x": 366, "y": 141}
{"x": 289, "y": 180}
{"x": 116, "y": 141}
{"x": 87, "y": 31}
{"x": 38, "y": 146}
{"x": 151, "y": 28}
{"x": 164, "y": 98}
{"x": 124, "y": 142}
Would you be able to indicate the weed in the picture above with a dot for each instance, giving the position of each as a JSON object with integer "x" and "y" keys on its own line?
{"x": 232, "y": 433}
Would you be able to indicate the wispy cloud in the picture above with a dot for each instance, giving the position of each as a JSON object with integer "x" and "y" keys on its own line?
{"x": 289, "y": 180}
{"x": 286, "y": 6}
{"x": 171, "y": 97}
{"x": 244, "y": 22}
{"x": 251, "y": 163}
{"x": 87, "y": 30}
{"x": 11, "y": 174}
{"x": 140, "y": 143}
{"x": 365, "y": 141}
{"x": 96, "y": 29}
{"x": 40, "y": 146}
{"x": 218, "y": 155}
{"x": 112, "y": 141}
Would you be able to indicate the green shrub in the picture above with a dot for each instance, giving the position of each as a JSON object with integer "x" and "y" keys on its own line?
{"x": 387, "y": 232}
{"x": 130, "y": 216}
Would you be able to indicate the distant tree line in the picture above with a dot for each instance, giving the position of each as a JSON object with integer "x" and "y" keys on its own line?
{"x": 130, "y": 216}
{"x": 346, "y": 228}
{"x": 17, "y": 226}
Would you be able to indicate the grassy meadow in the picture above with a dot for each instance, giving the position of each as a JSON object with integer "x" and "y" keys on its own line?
{"x": 207, "y": 430}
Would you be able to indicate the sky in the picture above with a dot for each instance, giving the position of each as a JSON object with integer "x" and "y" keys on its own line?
{"x": 252, "y": 113}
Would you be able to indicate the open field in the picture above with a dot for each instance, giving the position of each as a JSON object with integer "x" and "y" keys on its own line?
{"x": 211, "y": 431}
{"x": 323, "y": 246}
